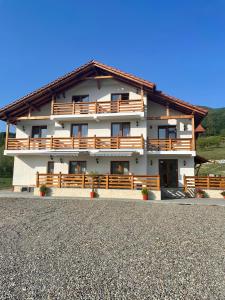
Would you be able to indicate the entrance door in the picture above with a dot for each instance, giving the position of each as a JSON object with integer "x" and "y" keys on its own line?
{"x": 168, "y": 171}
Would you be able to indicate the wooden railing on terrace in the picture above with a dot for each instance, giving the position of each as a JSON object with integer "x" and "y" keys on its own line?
{"x": 99, "y": 107}
{"x": 170, "y": 144}
{"x": 204, "y": 182}
{"x": 134, "y": 142}
{"x": 133, "y": 182}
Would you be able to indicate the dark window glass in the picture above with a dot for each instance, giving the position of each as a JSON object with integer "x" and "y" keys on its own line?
{"x": 167, "y": 132}
{"x": 39, "y": 132}
{"x": 79, "y": 130}
{"x": 81, "y": 98}
{"x": 50, "y": 167}
{"x": 77, "y": 167}
{"x": 117, "y": 97}
{"x": 120, "y": 167}
{"x": 120, "y": 129}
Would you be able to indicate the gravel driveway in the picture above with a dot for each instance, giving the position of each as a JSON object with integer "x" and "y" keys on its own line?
{"x": 79, "y": 249}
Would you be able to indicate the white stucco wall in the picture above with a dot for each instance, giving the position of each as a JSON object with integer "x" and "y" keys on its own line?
{"x": 155, "y": 109}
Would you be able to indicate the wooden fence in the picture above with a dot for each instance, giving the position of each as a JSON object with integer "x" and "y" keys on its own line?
{"x": 204, "y": 182}
{"x": 98, "y": 107}
{"x": 129, "y": 142}
{"x": 133, "y": 182}
{"x": 170, "y": 144}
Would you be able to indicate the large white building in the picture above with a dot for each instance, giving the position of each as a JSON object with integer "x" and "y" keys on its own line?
{"x": 98, "y": 119}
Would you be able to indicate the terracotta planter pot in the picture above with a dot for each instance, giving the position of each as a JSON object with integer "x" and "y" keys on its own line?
{"x": 223, "y": 197}
{"x": 145, "y": 197}
{"x": 92, "y": 195}
{"x": 199, "y": 196}
{"x": 42, "y": 194}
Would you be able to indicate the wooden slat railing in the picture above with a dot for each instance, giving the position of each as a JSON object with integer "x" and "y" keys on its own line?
{"x": 98, "y": 107}
{"x": 136, "y": 182}
{"x": 204, "y": 182}
{"x": 170, "y": 144}
{"x": 131, "y": 142}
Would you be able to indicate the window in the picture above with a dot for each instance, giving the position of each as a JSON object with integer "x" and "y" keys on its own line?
{"x": 167, "y": 132}
{"x": 80, "y": 98}
{"x": 77, "y": 167}
{"x": 39, "y": 131}
{"x": 120, "y": 129}
{"x": 50, "y": 167}
{"x": 120, "y": 167}
{"x": 117, "y": 97}
{"x": 79, "y": 130}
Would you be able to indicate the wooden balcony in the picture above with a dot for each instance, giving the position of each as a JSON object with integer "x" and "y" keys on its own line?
{"x": 103, "y": 107}
{"x": 134, "y": 142}
{"x": 171, "y": 145}
{"x": 132, "y": 182}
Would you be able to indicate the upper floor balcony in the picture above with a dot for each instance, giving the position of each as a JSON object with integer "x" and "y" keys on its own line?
{"x": 98, "y": 110}
{"x": 72, "y": 145}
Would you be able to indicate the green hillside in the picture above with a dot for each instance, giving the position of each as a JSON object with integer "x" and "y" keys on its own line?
{"x": 6, "y": 165}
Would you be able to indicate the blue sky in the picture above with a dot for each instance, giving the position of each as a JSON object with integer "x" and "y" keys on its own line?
{"x": 179, "y": 45}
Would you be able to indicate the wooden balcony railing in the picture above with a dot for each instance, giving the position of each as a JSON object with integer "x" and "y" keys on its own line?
{"x": 133, "y": 182}
{"x": 204, "y": 182}
{"x": 134, "y": 142}
{"x": 170, "y": 144}
{"x": 98, "y": 107}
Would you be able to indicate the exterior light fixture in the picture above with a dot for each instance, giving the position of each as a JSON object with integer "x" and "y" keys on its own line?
{"x": 136, "y": 160}
{"x": 97, "y": 160}
{"x": 185, "y": 163}
{"x": 24, "y": 128}
{"x": 150, "y": 126}
{"x": 61, "y": 160}
{"x": 137, "y": 123}
{"x": 151, "y": 162}
{"x": 51, "y": 157}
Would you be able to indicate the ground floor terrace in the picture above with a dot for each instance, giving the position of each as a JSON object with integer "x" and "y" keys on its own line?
{"x": 123, "y": 171}
{"x": 78, "y": 249}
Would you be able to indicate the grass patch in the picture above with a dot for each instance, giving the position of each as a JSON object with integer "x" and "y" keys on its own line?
{"x": 213, "y": 168}
{"x": 213, "y": 153}
{"x": 5, "y": 183}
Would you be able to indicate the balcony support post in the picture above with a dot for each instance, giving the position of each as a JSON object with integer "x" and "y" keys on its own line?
{"x": 7, "y": 135}
{"x": 52, "y": 104}
{"x": 193, "y": 132}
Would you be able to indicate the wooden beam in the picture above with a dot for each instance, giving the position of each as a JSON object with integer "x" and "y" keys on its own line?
{"x": 171, "y": 117}
{"x": 98, "y": 77}
{"x": 7, "y": 135}
{"x": 193, "y": 133}
{"x": 33, "y": 118}
{"x": 52, "y": 104}
{"x": 167, "y": 110}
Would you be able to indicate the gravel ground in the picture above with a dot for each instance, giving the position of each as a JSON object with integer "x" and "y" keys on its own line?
{"x": 79, "y": 249}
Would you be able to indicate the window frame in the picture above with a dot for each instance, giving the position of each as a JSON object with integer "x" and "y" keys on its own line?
{"x": 77, "y": 161}
{"x": 119, "y": 161}
{"x": 39, "y": 127}
{"x": 80, "y": 96}
{"x": 121, "y": 94}
{"x": 121, "y": 129}
{"x": 78, "y": 124}
{"x": 167, "y": 127}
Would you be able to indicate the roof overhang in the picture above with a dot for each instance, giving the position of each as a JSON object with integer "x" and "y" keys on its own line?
{"x": 44, "y": 95}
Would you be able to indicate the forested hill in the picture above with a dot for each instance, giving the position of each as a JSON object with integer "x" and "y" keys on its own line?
{"x": 215, "y": 122}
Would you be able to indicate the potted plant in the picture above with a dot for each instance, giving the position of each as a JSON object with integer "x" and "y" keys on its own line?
{"x": 223, "y": 194}
{"x": 144, "y": 192}
{"x": 43, "y": 190}
{"x": 93, "y": 178}
{"x": 199, "y": 193}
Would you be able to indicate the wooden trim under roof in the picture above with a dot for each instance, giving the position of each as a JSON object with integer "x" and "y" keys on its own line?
{"x": 44, "y": 95}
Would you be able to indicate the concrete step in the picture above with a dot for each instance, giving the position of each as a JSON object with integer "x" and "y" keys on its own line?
{"x": 173, "y": 193}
